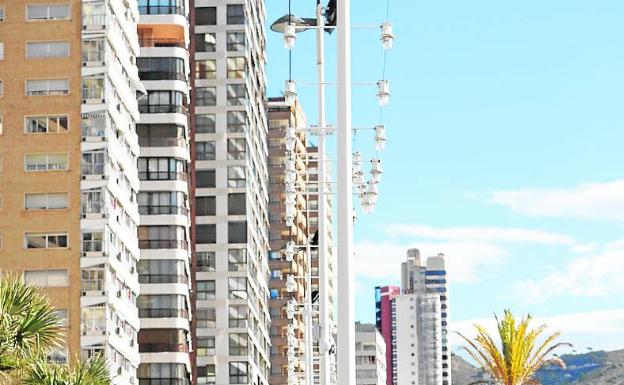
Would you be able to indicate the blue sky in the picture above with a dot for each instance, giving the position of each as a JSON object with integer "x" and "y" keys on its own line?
{"x": 505, "y": 153}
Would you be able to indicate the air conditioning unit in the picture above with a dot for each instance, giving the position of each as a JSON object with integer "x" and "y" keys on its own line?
{"x": 118, "y": 293}
{"x": 117, "y": 331}
{"x": 119, "y": 371}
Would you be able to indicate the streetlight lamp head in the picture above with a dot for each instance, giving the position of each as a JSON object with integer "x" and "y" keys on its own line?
{"x": 380, "y": 137}
{"x": 387, "y": 37}
{"x": 290, "y": 36}
{"x": 300, "y": 24}
{"x": 383, "y": 92}
{"x": 290, "y": 92}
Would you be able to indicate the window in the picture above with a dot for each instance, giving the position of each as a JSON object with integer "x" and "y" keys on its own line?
{"x": 236, "y": 95}
{"x": 236, "y": 121}
{"x": 206, "y": 374}
{"x": 45, "y": 201}
{"x": 46, "y": 241}
{"x": 161, "y": 373}
{"x": 162, "y": 102}
{"x": 237, "y": 287}
{"x": 161, "y": 7}
{"x": 206, "y": 261}
{"x": 206, "y": 233}
{"x": 236, "y": 204}
{"x": 93, "y": 88}
{"x": 48, "y": 12}
{"x": 205, "y": 123}
{"x": 161, "y": 169}
{"x": 205, "y": 346}
{"x": 236, "y": 67}
{"x": 206, "y": 96}
{"x": 162, "y": 306}
{"x": 205, "y": 206}
{"x": 47, "y": 49}
{"x": 206, "y": 318}
{"x": 161, "y": 135}
{"x": 47, "y": 278}
{"x": 236, "y": 176}
{"x": 1, "y": 87}
{"x": 162, "y": 203}
{"x": 236, "y": 148}
{"x": 162, "y": 237}
{"x": 93, "y": 163}
{"x": 206, "y": 290}
{"x": 47, "y": 87}
{"x": 238, "y": 343}
{"x": 238, "y": 372}
{"x": 237, "y": 232}
{"x": 205, "y": 178}
{"x": 237, "y": 260}
{"x": 235, "y": 14}
{"x": 236, "y": 41}
{"x": 92, "y": 242}
{"x": 205, "y": 42}
{"x": 238, "y": 316}
{"x": 206, "y": 69}
{"x": 0, "y": 124}
{"x": 1, "y": 13}
{"x": 45, "y": 162}
{"x": 206, "y": 16}
{"x": 93, "y": 50}
{"x": 46, "y": 124}
{"x": 61, "y": 314}
{"x": 205, "y": 150}
{"x": 1, "y": 51}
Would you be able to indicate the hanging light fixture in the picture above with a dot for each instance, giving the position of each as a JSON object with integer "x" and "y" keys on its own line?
{"x": 291, "y": 284}
{"x": 357, "y": 161}
{"x": 290, "y": 35}
{"x": 290, "y": 309}
{"x": 367, "y": 207}
{"x": 290, "y": 92}
{"x": 289, "y": 252}
{"x": 291, "y": 139}
{"x": 372, "y": 193}
{"x": 387, "y": 37}
{"x": 383, "y": 92}
{"x": 290, "y": 176}
{"x": 376, "y": 170}
{"x": 380, "y": 137}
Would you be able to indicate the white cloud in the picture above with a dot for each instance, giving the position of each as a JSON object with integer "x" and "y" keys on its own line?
{"x": 382, "y": 261}
{"x": 599, "y": 330}
{"x": 489, "y": 234}
{"x": 604, "y": 201}
{"x": 600, "y": 274}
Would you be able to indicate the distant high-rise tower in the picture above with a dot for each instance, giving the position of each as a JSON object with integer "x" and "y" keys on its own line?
{"x": 370, "y": 355}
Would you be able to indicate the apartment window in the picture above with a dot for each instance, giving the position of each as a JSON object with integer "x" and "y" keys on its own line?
{"x": 161, "y": 169}
{"x": 206, "y": 69}
{"x": 206, "y": 374}
{"x": 162, "y": 237}
{"x": 161, "y": 271}
{"x": 46, "y": 241}
{"x": 1, "y": 13}
{"x": 237, "y": 316}
{"x": 61, "y": 314}
{"x": 162, "y": 102}
{"x": 236, "y": 176}
{"x": 162, "y": 203}
{"x": 93, "y": 50}
{"x": 93, "y": 163}
{"x": 237, "y": 260}
{"x": 205, "y": 346}
{"x": 236, "y": 148}
{"x": 236, "y": 41}
{"x": 238, "y": 343}
{"x": 48, "y": 12}
{"x": 206, "y": 96}
{"x": 205, "y": 150}
{"x": 51, "y": 201}
{"x": 236, "y": 203}
{"x": 45, "y": 162}
{"x": 162, "y": 306}
{"x": 206, "y": 318}
{"x": 161, "y": 68}
{"x": 236, "y": 121}
{"x": 206, "y": 290}
{"x": 1, "y": 125}
{"x": 47, "y": 278}
{"x": 206, "y": 233}
{"x": 237, "y": 232}
{"x": 205, "y": 42}
{"x": 47, "y": 49}
{"x": 235, "y": 14}
{"x": 1, "y": 51}
{"x": 93, "y": 125}
{"x": 46, "y": 124}
{"x": 205, "y": 178}
{"x": 165, "y": 374}
{"x": 236, "y": 95}
{"x": 206, "y": 261}
{"x": 205, "y": 123}
{"x": 238, "y": 371}
{"x": 47, "y": 87}
{"x": 93, "y": 88}
{"x": 206, "y": 16}
{"x": 1, "y": 87}
{"x": 205, "y": 206}
{"x": 237, "y": 288}
{"x": 92, "y": 242}
{"x": 161, "y": 7}
{"x": 236, "y": 67}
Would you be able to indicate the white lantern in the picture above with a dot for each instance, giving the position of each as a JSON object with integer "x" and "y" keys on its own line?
{"x": 376, "y": 170}
{"x": 372, "y": 193}
{"x": 383, "y": 92}
{"x": 380, "y": 137}
{"x": 290, "y": 220}
{"x": 290, "y": 93}
{"x": 290, "y": 250}
{"x": 290, "y": 36}
{"x": 290, "y": 309}
{"x": 357, "y": 161}
{"x": 290, "y": 176}
{"x": 387, "y": 37}
{"x": 291, "y": 284}
{"x": 291, "y": 139}
{"x": 289, "y": 165}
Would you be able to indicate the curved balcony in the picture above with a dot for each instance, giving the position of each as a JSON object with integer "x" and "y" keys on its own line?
{"x": 163, "y": 347}
{"x": 161, "y": 10}
{"x": 162, "y": 75}
{"x": 146, "y": 42}
{"x": 164, "y": 381}
{"x": 163, "y": 210}
{"x": 163, "y": 313}
{"x": 162, "y": 175}
{"x": 162, "y": 109}
{"x": 162, "y": 278}
{"x": 163, "y": 244}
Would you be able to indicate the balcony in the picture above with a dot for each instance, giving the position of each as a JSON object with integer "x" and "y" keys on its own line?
{"x": 162, "y": 75}
{"x": 94, "y": 21}
{"x": 163, "y": 244}
{"x": 151, "y": 141}
{"x": 161, "y": 43}
{"x": 163, "y": 313}
{"x": 161, "y": 10}
{"x": 162, "y": 109}
{"x": 163, "y": 210}
{"x": 164, "y": 381}
{"x": 162, "y": 278}
{"x": 162, "y": 347}
{"x": 162, "y": 175}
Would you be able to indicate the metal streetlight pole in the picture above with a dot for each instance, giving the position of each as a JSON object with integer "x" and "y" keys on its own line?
{"x": 346, "y": 306}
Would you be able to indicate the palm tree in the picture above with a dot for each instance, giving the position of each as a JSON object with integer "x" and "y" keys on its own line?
{"x": 91, "y": 372}
{"x": 520, "y": 355}
{"x": 29, "y": 325}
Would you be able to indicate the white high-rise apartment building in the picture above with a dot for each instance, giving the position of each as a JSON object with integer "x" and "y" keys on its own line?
{"x": 370, "y": 355}
{"x": 420, "y": 318}
{"x": 231, "y": 195}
